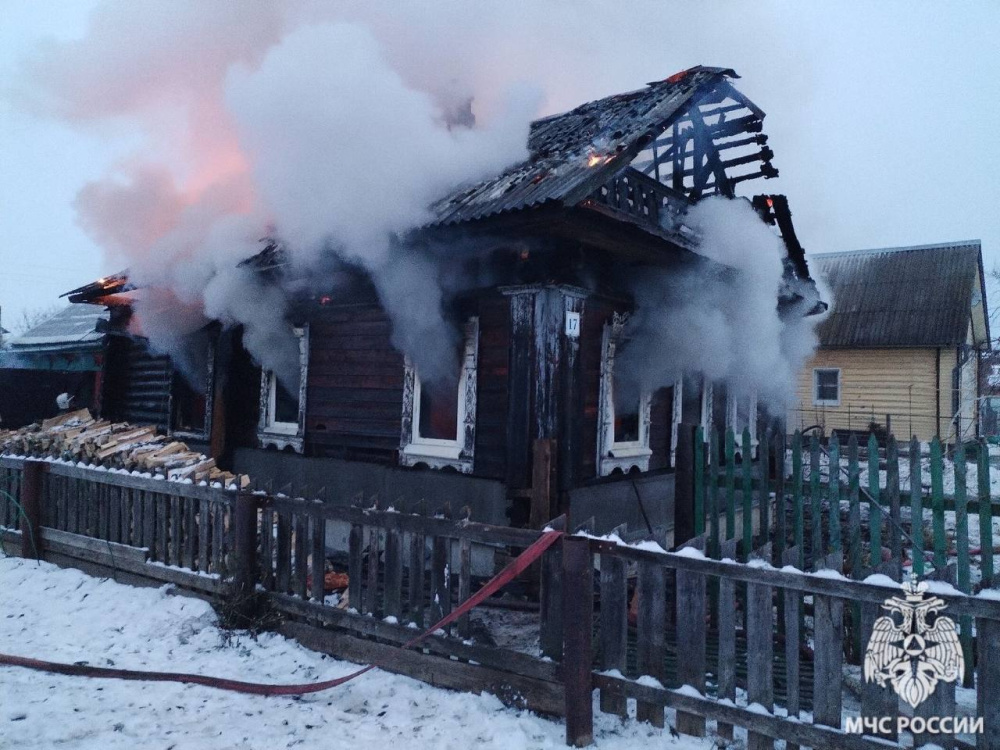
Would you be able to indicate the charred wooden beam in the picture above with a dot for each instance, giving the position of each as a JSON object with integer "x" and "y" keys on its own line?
{"x": 767, "y": 171}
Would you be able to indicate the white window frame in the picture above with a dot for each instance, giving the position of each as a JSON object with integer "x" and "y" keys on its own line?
{"x": 707, "y": 407}
{"x": 815, "y": 387}
{"x": 623, "y": 455}
{"x": 281, "y": 435}
{"x": 434, "y": 452}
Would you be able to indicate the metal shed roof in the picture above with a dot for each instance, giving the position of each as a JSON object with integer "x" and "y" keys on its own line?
{"x": 74, "y": 327}
{"x": 919, "y": 296}
{"x": 574, "y": 152}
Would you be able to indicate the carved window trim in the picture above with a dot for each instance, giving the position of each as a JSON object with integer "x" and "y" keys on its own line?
{"x": 677, "y": 416}
{"x": 625, "y": 455}
{"x": 282, "y": 435}
{"x": 436, "y": 453}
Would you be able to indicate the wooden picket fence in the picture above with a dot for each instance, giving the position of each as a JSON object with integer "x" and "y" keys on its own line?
{"x": 743, "y": 645}
{"x": 796, "y": 483}
{"x": 152, "y": 529}
{"x": 722, "y": 633}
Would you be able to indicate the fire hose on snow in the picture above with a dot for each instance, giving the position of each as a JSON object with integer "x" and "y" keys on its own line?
{"x": 508, "y": 574}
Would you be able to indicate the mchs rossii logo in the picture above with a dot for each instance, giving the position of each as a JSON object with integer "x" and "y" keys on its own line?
{"x": 912, "y": 649}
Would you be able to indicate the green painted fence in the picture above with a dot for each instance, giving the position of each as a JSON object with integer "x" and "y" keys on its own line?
{"x": 791, "y": 494}
{"x": 812, "y": 497}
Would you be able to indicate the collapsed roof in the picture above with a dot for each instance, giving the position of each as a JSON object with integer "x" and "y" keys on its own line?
{"x": 658, "y": 131}
{"x": 640, "y": 158}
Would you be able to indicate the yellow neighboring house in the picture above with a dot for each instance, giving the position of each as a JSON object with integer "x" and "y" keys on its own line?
{"x": 899, "y": 347}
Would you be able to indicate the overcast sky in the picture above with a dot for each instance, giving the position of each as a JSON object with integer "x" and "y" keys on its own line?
{"x": 882, "y": 116}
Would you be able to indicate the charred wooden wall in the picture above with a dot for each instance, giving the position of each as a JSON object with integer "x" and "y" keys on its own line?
{"x": 355, "y": 385}
{"x": 137, "y": 384}
{"x": 492, "y": 387}
{"x": 661, "y": 424}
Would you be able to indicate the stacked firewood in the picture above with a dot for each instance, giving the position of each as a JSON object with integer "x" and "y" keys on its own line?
{"x": 79, "y": 438}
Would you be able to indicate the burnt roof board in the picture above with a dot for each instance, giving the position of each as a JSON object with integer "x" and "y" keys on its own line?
{"x": 919, "y": 296}
{"x": 560, "y": 146}
{"x": 103, "y": 287}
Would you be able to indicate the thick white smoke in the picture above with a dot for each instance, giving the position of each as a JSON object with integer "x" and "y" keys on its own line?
{"x": 332, "y": 127}
{"x": 720, "y": 319}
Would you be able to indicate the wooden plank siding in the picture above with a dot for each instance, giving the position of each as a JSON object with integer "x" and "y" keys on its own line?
{"x": 902, "y": 383}
{"x": 139, "y": 391}
{"x": 355, "y": 385}
{"x": 492, "y": 387}
{"x": 661, "y": 424}
{"x": 354, "y": 390}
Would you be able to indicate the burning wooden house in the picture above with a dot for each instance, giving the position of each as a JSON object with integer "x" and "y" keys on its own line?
{"x": 533, "y": 412}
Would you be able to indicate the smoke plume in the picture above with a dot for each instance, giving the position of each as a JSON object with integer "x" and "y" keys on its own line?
{"x": 719, "y": 319}
{"x": 332, "y": 127}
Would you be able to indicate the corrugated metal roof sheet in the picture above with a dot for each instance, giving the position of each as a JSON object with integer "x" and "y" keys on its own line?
{"x": 76, "y": 326}
{"x": 561, "y": 148}
{"x": 904, "y": 296}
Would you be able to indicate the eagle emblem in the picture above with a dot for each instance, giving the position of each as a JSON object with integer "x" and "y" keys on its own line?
{"x": 914, "y": 656}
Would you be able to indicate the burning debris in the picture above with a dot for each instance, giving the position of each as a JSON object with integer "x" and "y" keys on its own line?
{"x": 78, "y": 438}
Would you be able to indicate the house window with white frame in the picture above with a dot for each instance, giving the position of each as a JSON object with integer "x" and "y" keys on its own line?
{"x": 826, "y": 386}
{"x": 282, "y": 409}
{"x": 706, "y": 403}
{"x": 439, "y": 420}
{"x": 623, "y": 435}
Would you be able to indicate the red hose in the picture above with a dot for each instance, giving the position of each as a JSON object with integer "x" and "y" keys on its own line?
{"x": 508, "y": 574}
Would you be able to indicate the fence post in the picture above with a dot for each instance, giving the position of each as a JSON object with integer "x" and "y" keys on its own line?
{"x": 31, "y": 509}
{"x": 245, "y": 570}
{"x": 550, "y": 597}
{"x": 578, "y": 613}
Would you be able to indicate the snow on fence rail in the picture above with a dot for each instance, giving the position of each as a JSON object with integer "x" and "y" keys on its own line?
{"x": 750, "y": 645}
{"x": 184, "y": 530}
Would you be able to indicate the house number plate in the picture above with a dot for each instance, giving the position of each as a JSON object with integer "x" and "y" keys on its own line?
{"x": 573, "y": 324}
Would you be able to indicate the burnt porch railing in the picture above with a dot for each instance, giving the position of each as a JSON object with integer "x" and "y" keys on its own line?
{"x": 638, "y": 198}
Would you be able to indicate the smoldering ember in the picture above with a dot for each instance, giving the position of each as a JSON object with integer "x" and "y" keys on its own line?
{"x": 454, "y": 374}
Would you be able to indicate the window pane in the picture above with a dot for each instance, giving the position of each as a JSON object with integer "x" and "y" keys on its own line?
{"x": 626, "y": 418}
{"x": 439, "y": 412}
{"x": 827, "y": 385}
{"x": 286, "y": 406}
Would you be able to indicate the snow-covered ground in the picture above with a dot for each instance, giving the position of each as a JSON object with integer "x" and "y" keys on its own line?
{"x": 64, "y": 615}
